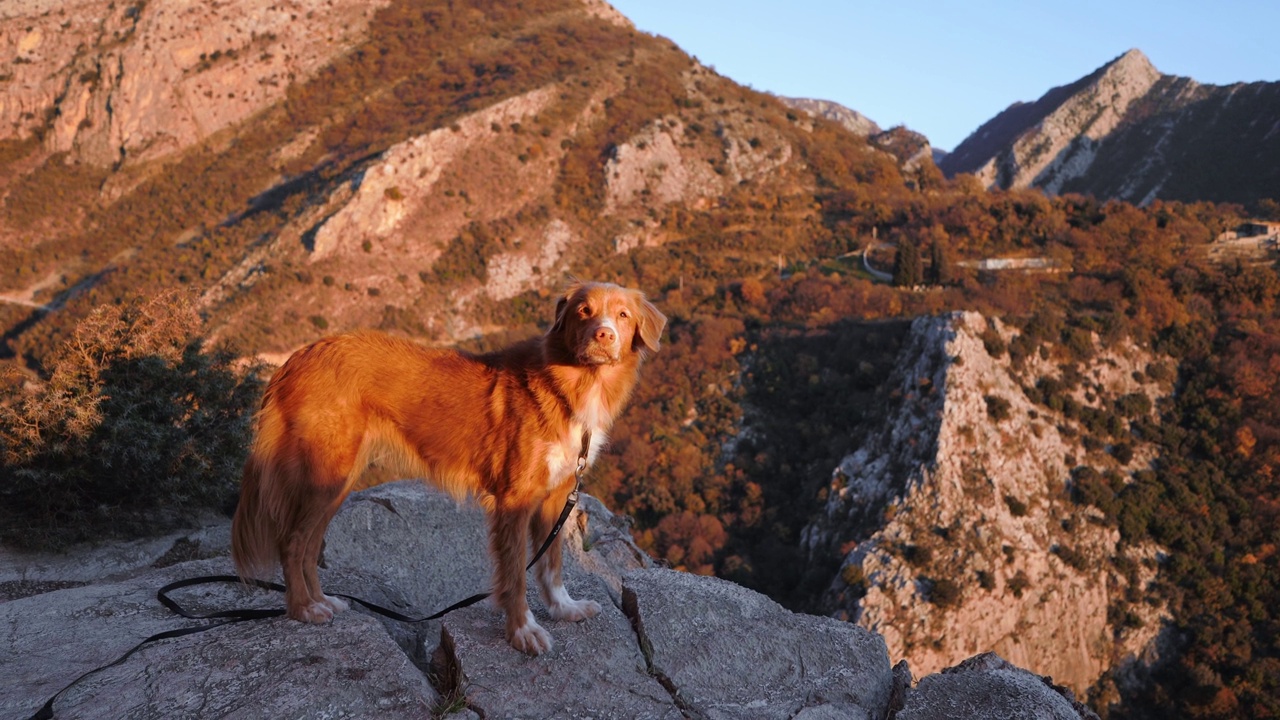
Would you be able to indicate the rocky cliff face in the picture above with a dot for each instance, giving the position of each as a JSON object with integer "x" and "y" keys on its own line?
{"x": 666, "y": 645}
{"x": 908, "y": 147}
{"x": 1129, "y": 132}
{"x": 113, "y": 83}
{"x": 852, "y": 120}
{"x": 1054, "y": 140}
{"x": 956, "y": 514}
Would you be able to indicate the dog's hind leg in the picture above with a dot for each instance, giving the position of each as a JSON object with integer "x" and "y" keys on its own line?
{"x": 310, "y": 568}
{"x": 297, "y": 566}
{"x": 315, "y": 502}
{"x": 549, "y": 567}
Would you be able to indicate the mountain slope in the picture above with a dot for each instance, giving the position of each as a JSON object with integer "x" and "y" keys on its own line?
{"x": 957, "y": 508}
{"x": 1128, "y": 132}
{"x": 851, "y": 119}
{"x": 438, "y": 165}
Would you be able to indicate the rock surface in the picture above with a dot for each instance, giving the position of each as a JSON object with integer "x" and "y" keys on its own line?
{"x": 987, "y": 686}
{"x": 115, "y": 83}
{"x": 666, "y": 645}
{"x": 734, "y": 654}
{"x": 963, "y": 534}
{"x": 1129, "y": 132}
{"x": 270, "y": 668}
{"x": 852, "y": 120}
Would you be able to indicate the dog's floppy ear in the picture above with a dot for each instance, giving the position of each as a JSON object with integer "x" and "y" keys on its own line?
{"x": 650, "y": 323}
{"x": 562, "y": 305}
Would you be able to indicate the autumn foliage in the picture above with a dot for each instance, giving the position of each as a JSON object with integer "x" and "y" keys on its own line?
{"x": 137, "y": 429}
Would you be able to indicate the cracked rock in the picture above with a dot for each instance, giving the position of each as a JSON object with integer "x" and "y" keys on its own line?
{"x": 594, "y": 670}
{"x": 729, "y": 652}
{"x": 272, "y": 668}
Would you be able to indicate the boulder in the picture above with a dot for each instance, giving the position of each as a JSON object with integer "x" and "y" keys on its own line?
{"x": 272, "y": 668}
{"x": 595, "y": 669}
{"x": 986, "y": 686}
{"x": 729, "y": 652}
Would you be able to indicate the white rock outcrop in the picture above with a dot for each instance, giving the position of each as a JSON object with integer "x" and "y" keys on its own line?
{"x": 651, "y": 169}
{"x": 116, "y": 82}
{"x": 396, "y": 188}
{"x": 1063, "y": 145}
{"x": 964, "y": 536}
{"x": 852, "y": 120}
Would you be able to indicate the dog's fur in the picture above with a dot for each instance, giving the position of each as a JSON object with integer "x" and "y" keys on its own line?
{"x": 505, "y": 427}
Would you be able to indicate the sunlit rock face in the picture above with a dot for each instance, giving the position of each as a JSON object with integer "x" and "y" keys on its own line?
{"x": 956, "y": 517}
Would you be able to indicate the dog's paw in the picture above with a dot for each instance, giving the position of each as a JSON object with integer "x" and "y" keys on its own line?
{"x": 336, "y": 604}
{"x": 530, "y": 638}
{"x": 316, "y": 613}
{"x": 574, "y": 610}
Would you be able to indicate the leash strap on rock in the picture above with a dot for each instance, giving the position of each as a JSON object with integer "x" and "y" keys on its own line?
{"x": 228, "y": 617}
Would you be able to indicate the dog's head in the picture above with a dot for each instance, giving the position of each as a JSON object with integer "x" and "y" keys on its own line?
{"x": 601, "y": 323}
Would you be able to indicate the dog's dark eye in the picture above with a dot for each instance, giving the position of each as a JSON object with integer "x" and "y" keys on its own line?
{"x": 624, "y": 314}
{"x": 584, "y": 311}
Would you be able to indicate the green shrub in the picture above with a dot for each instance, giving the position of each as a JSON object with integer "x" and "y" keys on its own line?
{"x": 137, "y": 429}
{"x": 917, "y": 555}
{"x": 997, "y": 407}
{"x": 993, "y": 342}
{"x": 1134, "y": 405}
{"x": 1071, "y": 556}
{"x": 1017, "y": 508}
{"x": 986, "y": 580}
{"x": 945, "y": 593}
{"x": 1019, "y": 583}
{"x": 853, "y": 576}
{"x": 1079, "y": 341}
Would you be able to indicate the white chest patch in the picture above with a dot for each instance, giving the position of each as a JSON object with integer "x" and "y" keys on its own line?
{"x": 562, "y": 457}
{"x": 561, "y": 462}
{"x": 593, "y": 414}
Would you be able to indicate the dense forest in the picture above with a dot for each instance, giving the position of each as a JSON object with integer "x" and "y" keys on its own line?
{"x": 779, "y": 341}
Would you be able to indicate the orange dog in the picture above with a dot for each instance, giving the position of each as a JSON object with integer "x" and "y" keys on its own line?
{"x": 505, "y": 426}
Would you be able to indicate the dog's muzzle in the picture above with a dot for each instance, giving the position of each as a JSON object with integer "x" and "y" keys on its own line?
{"x": 600, "y": 345}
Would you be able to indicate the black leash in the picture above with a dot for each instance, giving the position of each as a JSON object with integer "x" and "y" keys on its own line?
{"x": 227, "y": 617}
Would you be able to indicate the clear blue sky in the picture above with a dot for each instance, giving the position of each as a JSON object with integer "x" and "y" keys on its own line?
{"x": 945, "y": 67}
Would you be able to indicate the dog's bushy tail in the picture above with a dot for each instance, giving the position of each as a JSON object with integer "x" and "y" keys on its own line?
{"x": 255, "y": 532}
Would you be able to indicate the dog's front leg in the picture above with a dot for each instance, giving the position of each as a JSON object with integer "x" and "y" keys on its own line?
{"x": 508, "y": 536}
{"x": 548, "y": 569}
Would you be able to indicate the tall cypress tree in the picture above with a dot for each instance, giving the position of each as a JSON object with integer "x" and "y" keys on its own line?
{"x": 940, "y": 270}
{"x": 906, "y": 268}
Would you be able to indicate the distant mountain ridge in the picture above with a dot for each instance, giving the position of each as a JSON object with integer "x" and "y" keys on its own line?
{"x": 908, "y": 146}
{"x": 851, "y": 119}
{"x": 1129, "y": 132}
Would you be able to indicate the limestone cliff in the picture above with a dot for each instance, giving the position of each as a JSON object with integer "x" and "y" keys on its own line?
{"x": 908, "y": 147}
{"x": 854, "y": 121}
{"x": 957, "y": 519}
{"x": 1053, "y": 140}
{"x": 123, "y": 82}
{"x": 1129, "y": 132}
